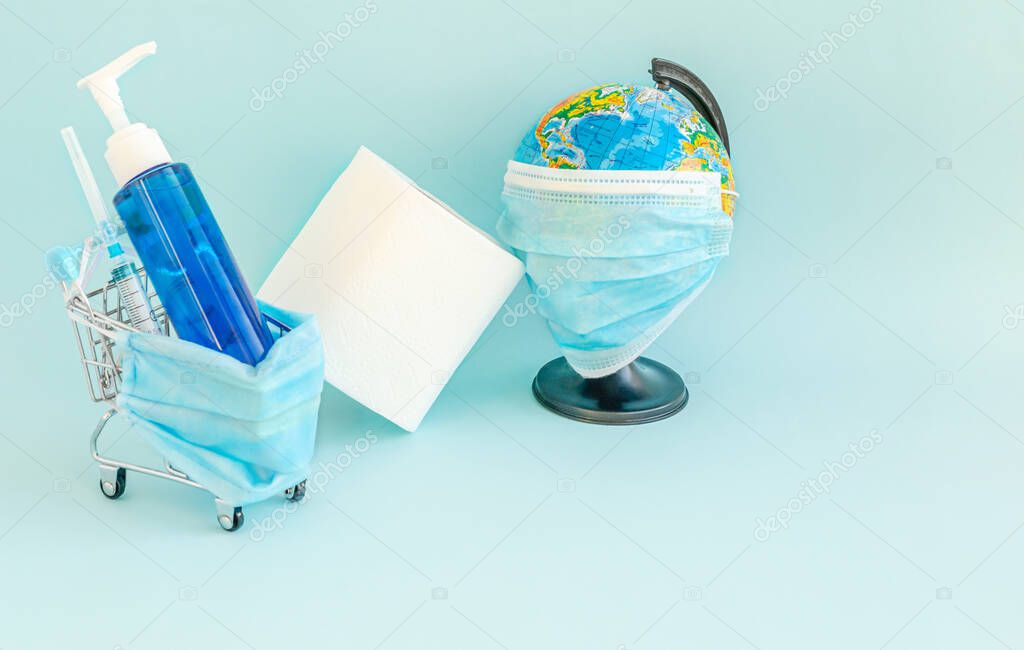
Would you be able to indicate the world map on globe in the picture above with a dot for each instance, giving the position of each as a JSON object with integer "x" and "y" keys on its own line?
{"x": 624, "y": 127}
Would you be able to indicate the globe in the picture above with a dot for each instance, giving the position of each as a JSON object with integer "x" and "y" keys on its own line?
{"x": 622, "y": 127}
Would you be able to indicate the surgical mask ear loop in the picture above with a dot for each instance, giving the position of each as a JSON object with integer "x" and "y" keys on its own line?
{"x": 644, "y": 390}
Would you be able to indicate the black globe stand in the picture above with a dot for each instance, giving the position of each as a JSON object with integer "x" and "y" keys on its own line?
{"x": 644, "y": 391}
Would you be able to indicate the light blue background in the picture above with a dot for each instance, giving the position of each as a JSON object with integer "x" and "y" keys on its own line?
{"x": 877, "y": 267}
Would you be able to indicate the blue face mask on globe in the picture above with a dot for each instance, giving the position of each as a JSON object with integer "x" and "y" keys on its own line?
{"x": 613, "y": 257}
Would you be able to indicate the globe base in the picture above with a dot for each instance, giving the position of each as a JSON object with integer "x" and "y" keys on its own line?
{"x": 644, "y": 391}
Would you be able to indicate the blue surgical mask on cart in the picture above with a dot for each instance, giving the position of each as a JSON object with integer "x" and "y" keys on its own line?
{"x": 243, "y": 433}
{"x": 173, "y": 230}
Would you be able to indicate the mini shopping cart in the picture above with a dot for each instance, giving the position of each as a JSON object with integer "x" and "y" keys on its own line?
{"x": 95, "y": 318}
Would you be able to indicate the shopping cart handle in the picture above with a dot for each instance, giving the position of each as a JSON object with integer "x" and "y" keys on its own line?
{"x": 276, "y": 323}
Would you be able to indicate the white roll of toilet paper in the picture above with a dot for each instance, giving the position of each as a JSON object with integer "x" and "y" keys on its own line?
{"x": 401, "y": 285}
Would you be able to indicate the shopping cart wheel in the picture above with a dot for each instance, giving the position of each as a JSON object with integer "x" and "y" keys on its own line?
{"x": 233, "y": 522}
{"x": 112, "y": 481}
{"x": 296, "y": 492}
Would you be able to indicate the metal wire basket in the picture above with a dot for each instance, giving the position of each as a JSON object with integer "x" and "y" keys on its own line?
{"x": 96, "y": 317}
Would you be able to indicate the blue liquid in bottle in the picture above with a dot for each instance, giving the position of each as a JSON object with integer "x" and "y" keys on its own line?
{"x": 189, "y": 263}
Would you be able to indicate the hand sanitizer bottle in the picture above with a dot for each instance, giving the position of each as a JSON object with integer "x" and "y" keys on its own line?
{"x": 173, "y": 230}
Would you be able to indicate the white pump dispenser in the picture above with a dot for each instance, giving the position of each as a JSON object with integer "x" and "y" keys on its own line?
{"x": 134, "y": 147}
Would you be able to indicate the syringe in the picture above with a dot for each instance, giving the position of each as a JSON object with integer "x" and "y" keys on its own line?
{"x": 125, "y": 275}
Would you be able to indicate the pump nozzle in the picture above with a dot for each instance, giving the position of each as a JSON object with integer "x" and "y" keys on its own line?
{"x": 103, "y": 83}
{"x": 134, "y": 147}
